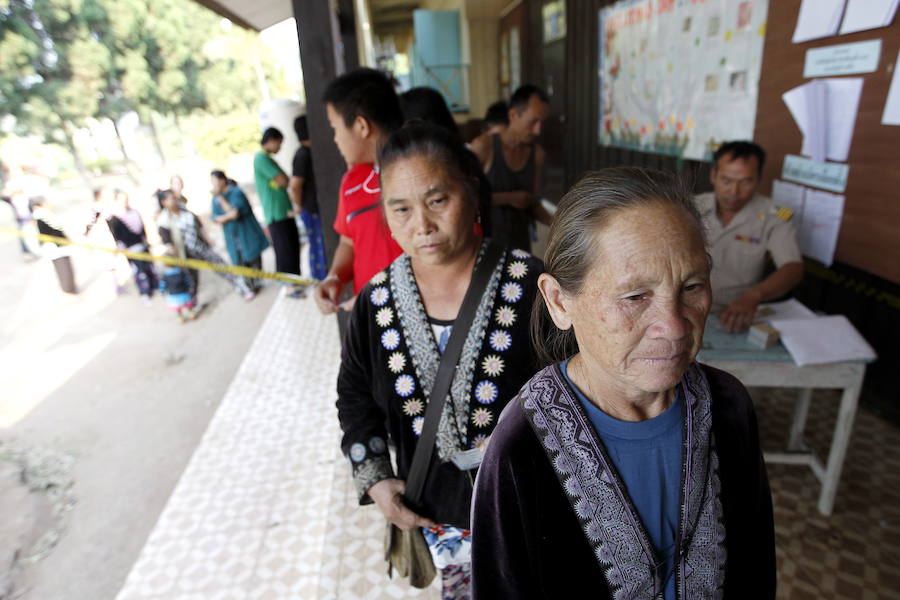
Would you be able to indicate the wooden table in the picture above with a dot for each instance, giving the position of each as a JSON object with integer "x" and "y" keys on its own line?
{"x": 775, "y": 368}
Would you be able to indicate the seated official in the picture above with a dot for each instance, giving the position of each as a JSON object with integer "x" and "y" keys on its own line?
{"x": 745, "y": 229}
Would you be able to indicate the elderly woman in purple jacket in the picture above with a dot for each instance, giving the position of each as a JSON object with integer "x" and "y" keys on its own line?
{"x": 624, "y": 467}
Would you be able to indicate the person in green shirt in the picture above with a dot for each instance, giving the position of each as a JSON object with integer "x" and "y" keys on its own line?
{"x": 271, "y": 185}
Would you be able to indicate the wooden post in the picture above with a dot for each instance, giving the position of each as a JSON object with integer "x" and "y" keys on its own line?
{"x": 323, "y": 58}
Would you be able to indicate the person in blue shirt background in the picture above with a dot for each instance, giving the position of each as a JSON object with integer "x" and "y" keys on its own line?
{"x": 244, "y": 236}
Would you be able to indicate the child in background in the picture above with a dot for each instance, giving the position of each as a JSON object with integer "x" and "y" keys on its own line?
{"x": 176, "y": 285}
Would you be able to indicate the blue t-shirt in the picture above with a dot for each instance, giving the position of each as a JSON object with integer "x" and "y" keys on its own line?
{"x": 647, "y": 456}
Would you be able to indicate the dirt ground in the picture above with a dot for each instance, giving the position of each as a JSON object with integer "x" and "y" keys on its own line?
{"x": 119, "y": 393}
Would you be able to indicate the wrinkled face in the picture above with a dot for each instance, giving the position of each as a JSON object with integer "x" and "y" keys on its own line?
{"x": 639, "y": 318}
{"x": 176, "y": 184}
{"x": 527, "y": 124}
{"x": 351, "y": 141}
{"x": 428, "y": 211}
{"x": 217, "y": 185}
{"x": 735, "y": 182}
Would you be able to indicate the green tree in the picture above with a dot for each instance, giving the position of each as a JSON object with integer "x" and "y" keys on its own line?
{"x": 51, "y": 69}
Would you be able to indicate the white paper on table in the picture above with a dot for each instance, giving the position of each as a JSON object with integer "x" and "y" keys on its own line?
{"x": 790, "y": 195}
{"x": 787, "y": 309}
{"x": 868, "y": 14}
{"x": 821, "y": 224}
{"x": 823, "y": 340}
{"x": 891, "y": 115}
{"x": 818, "y": 19}
{"x": 825, "y": 111}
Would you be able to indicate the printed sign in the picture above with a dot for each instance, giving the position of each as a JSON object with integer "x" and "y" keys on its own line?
{"x": 843, "y": 59}
{"x": 825, "y": 175}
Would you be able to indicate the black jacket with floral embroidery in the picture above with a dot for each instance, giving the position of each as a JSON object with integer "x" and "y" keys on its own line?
{"x": 390, "y": 360}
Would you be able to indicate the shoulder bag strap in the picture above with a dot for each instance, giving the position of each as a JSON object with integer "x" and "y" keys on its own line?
{"x": 418, "y": 472}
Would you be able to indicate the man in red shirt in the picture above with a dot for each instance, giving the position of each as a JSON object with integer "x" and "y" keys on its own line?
{"x": 362, "y": 109}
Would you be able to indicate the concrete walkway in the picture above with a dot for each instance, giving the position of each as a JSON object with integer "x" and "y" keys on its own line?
{"x": 266, "y": 508}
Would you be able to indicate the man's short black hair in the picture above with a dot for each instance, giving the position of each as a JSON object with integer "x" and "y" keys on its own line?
{"x": 740, "y": 150}
{"x": 523, "y": 94}
{"x": 269, "y": 134}
{"x": 368, "y": 94}
{"x": 497, "y": 114}
{"x": 301, "y": 129}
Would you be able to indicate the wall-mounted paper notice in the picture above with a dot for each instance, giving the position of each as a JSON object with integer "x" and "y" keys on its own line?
{"x": 820, "y": 225}
{"x": 827, "y": 175}
{"x": 868, "y": 14}
{"x": 891, "y": 115}
{"x": 790, "y": 195}
{"x": 825, "y": 111}
{"x": 818, "y": 19}
{"x": 842, "y": 59}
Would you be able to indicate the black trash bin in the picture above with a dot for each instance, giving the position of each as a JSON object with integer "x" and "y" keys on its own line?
{"x": 65, "y": 273}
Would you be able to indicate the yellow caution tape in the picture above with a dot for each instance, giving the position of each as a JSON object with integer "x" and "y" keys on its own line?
{"x": 189, "y": 263}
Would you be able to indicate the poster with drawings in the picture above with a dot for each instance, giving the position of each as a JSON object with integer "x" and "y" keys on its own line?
{"x": 679, "y": 77}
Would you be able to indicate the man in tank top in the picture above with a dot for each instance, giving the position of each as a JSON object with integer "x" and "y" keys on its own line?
{"x": 513, "y": 161}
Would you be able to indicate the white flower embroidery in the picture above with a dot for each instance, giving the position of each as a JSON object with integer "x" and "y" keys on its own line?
{"x": 511, "y": 291}
{"x": 379, "y": 278}
{"x": 390, "y": 339}
{"x": 379, "y": 296}
{"x": 506, "y": 316}
{"x": 482, "y": 417}
{"x": 396, "y": 362}
{"x": 517, "y": 270}
{"x": 417, "y": 425}
{"x": 384, "y": 316}
{"x": 520, "y": 253}
{"x": 413, "y": 407}
{"x": 492, "y": 365}
{"x": 486, "y": 392}
{"x": 377, "y": 445}
{"x": 500, "y": 340}
{"x": 405, "y": 385}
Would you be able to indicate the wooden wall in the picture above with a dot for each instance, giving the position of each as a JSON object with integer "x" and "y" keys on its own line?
{"x": 870, "y": 232}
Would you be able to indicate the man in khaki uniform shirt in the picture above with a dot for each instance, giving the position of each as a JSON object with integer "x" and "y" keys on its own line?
{"x": 745, "y": 229}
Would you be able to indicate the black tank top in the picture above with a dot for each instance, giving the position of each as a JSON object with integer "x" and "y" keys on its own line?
{"x": 511, "y": 225}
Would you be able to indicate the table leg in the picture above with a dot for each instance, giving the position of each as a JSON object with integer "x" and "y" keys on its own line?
{"x": 839, "y": 443}
{"x": 798, "y": 421}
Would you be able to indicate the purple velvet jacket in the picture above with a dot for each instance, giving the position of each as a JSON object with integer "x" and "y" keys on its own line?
{"x": 530, "y": 543}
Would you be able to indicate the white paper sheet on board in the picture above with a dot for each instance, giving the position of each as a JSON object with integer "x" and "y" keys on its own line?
{"x": 891, "y": 115}
{"x": 820, "y": 225}
{"x": 818, "y": 19}
{"x": 868, "y": 14}
{"x": 823, "y": 340}
{"x": 825, "y": 111}
{"x": 790, "y": 195}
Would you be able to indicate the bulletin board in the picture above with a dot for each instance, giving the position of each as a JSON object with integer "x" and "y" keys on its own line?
{"x": 679, "y": 78}
{"x": 869, "y": 237}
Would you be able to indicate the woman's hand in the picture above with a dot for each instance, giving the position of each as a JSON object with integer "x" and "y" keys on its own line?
{"x": 388, "y": 496}
{"x": 327, "y": 294}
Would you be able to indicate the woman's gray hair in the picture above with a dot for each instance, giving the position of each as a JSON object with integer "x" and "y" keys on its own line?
{"x": 571, "y": 248}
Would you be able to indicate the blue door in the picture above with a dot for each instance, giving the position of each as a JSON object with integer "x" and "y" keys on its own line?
{"x": 436, "y": 56}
